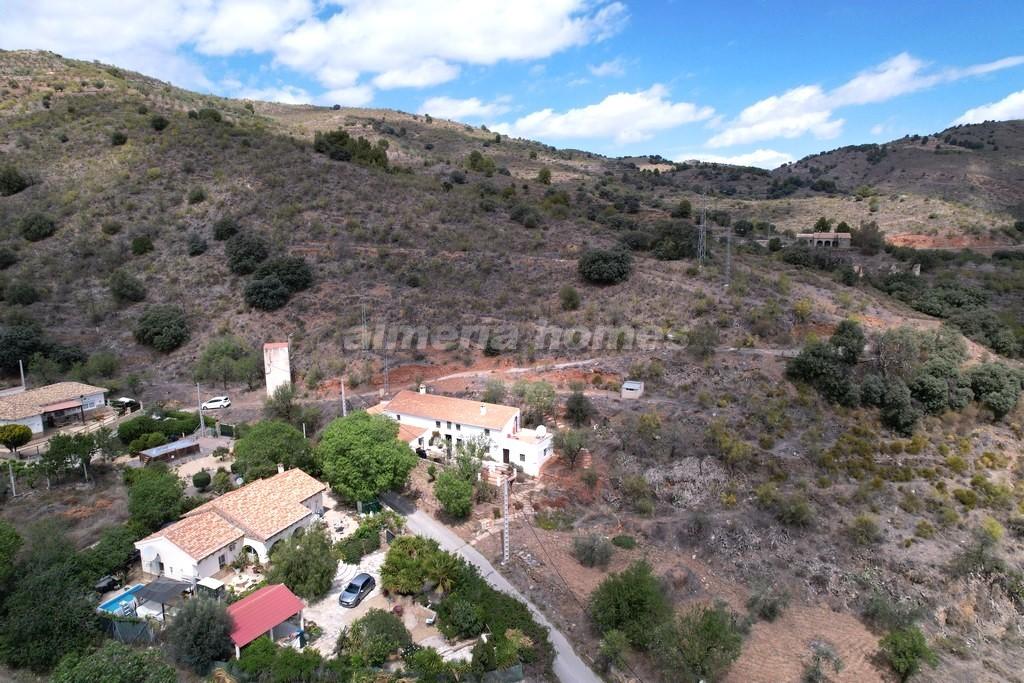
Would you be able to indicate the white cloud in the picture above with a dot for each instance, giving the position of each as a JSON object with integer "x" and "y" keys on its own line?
{"x": 614, "y": 67}
{"x": 460, "y": 110}
{"x": 286, "y": 94}
{"x": 625, "y": 117}
{"x": 878, "y": 129}
{"x": 353, "y": 96}
{"x": 410, "y": 45}
{"x": 254, "y": 25}
{"x": 391, "y": 43}
{"x": 426, "y": 73}
{"x": 762, "y": 158}
{"x": 1010, "y": 107}
{"x": 809, "y": 108}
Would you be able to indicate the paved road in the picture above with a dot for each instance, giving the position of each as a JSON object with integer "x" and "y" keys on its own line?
{"x": 568, "y": 666}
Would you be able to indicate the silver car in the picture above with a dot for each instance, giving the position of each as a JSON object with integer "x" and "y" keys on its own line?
{"x": 356, "y": 590}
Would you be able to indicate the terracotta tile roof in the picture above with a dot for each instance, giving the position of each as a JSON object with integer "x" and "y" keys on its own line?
{"x": 255, "y": 614}
{"x": 32, "y": 402}
{"x": 460, "y": 410}
{"x": 199, "y": 535}
{"x": 408, "y": 433}
{"x": 276, "y": 345}
{"x": 266, "y": 506}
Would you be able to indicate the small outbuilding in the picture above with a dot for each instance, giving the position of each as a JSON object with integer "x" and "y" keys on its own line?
{"x": 170, "y": 451}
{"x": 270, "y": 611}
{"x": 632, "y": 388}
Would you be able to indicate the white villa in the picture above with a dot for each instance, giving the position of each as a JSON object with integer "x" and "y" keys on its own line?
{"x": 251, "y": 519}
{"x": 428, "y": 420}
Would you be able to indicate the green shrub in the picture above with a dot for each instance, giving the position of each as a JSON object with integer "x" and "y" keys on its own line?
{"x": 21, "y": 294}
{"x": 569, "y": 298}
{"x": 632, "y": 601}
{"x": 196, "y": 245}
{"x": 624, "y": 541}
{"x": 209, "y": 114}
{"x": 201, "y": 480}
{"x": 225, "y": 228}
{"x": 700, "y": 645}
{"x": 7, "y": 258}
{"x": 795, "y": 511}
{"x": 158, "y": 123}
{"x": 291, "y": 271}
{"x": 143, "y": 244}
{"x": 605, "y": 267}
{"x": 966, "y": 497}
{"x": 245, "y": 253}
{"x": 12, "y": 181}
{"x": 767, "y": 603}
{"x": 36, "y": 227}
{"x": 267, "y": 294}
{"x": 117, "y": 138}
{"x": 863, "y": 530}
{"x": 196, "y": 195}
{"x": 905, "y": 649}
{"x": 162, "y": 327}
{"x": 341, "y": 146}
{"x": 111, "y": 227}
{"x": 454, "y": 493}
{"x": 592, "y": 550}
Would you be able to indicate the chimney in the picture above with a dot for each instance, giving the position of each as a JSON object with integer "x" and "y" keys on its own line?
{"x": 483, "y": 408}
{"x": 280, "y": 468}
{"x": 423, "y": 388}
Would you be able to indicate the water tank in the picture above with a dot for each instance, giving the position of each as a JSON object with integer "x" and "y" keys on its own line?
{"x": 541, "y": 430}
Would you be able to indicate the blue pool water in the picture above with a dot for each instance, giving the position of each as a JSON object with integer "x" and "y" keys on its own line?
{"x": 114, "y": 604}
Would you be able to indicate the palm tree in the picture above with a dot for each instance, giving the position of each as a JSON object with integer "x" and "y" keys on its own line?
{"x": 444, "y": 570}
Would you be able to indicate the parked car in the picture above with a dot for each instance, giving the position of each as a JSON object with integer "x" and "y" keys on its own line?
{"x": 356, "y": 590}
{"x": 216, "y": 402}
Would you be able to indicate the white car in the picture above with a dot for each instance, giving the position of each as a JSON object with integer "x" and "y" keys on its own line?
{"x": 216, "y": 402}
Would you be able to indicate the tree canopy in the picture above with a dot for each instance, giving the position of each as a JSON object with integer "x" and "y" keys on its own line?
{"x": 115, "y": 663}
{"x": 229, "y": 359}
{"x": 154, "y": 495}
{"x": 306, "y": 563}
{"x": 361, "y": 456}
{"x": 200, "y": 634}
{"x": 266, "y": 444}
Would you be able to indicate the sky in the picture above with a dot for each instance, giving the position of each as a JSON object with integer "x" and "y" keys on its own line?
{"x": 748, "y": 82}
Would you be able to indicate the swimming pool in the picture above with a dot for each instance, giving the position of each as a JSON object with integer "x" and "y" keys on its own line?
{"x": 115, "y": 605}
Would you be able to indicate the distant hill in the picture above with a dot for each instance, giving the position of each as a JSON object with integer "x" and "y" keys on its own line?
{"x": 982, "y": 165}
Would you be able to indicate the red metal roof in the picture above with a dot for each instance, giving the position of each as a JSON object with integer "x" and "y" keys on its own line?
{"x": 255, "y": 614}
{"x": 63, "y": 405}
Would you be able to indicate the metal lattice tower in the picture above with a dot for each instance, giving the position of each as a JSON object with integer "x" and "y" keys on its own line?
{"x": 702, "y": 235}
{"x": 506, "y": 542}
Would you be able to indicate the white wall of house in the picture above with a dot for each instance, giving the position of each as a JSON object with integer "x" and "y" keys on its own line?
{"x": 33, "y": 422}
{"x": 93, "y": 401}
{"x": 527, "y": 456}
{"x": 180, "y": 565}
{"x": 262, "y": 548}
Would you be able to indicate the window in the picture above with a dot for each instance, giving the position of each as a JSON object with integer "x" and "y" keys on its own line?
{"x": 458, "y": 442}
{"x": 420, "y": 441}
{"x": 437, "y": 423}
{"x": 458, "y": 427}
{"x": 487, "y": 432}
{"x": 221, "y": 561}
{"x": 522, "y": 457}
{"x": 449, "y": 424}
{"x": 398, "y": 418}
{"x": 231, "y": 547}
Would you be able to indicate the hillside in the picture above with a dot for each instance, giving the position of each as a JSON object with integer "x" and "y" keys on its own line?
{"x": 145, "y": 221}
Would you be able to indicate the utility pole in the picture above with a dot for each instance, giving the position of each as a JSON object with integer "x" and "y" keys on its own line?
{"x": 10, "y": 473}
{"x": 21, "y": 369}
{"x": 506, "y": 543}
{"x": 344, "y": 406}
{"x": 199, "y": 404}
{"x": 702, "y": 235}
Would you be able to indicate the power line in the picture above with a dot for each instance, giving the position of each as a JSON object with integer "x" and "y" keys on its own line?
{"x": 569, "y": 590}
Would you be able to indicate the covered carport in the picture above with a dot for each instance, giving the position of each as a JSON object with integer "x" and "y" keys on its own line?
{"x": 266, "y": 612}
{"x": 163, "y": 592}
